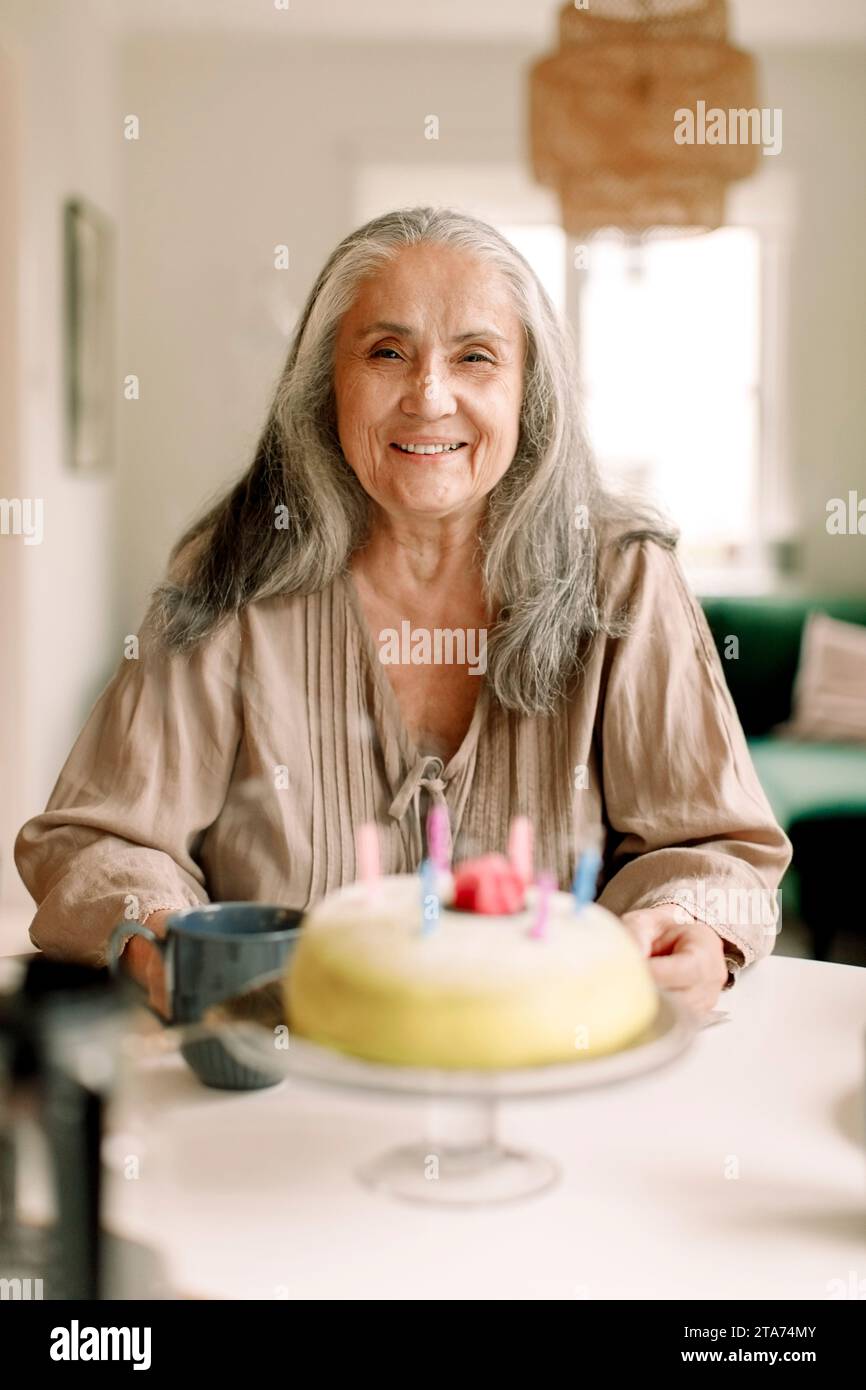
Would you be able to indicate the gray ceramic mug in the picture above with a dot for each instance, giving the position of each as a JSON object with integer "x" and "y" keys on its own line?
{"x": 212, "y": 953}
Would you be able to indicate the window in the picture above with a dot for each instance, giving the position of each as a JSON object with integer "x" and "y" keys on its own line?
{"x": 670, "y": 350}
{"x": 678, "y": 344}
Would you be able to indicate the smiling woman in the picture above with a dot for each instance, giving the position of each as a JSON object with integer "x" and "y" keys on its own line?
{"x": 422, "y": 464}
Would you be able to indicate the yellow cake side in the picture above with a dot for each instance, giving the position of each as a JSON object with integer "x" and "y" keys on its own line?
{"x": 337, "y": 1000}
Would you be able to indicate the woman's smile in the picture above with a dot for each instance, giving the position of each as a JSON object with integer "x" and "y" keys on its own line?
{"x": 427, "y": 447}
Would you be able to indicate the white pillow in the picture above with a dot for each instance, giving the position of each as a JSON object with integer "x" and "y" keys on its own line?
{"x": 829, "y": 695}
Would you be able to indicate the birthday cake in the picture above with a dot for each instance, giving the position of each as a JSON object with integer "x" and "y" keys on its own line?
{"x": 503, "y": 975}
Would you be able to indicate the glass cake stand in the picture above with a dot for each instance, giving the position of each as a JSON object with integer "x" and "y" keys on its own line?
{"x": 459, "y": 1159}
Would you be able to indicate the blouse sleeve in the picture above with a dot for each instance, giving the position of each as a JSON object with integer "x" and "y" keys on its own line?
{"x": 688, "y": 819}
{"x": 146, "y": 777}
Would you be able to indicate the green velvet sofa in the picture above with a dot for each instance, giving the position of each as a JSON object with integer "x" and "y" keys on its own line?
{"x": 817, "y": 790}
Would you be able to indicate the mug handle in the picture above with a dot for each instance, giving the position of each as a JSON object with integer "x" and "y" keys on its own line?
{"x": 130, "y": 929}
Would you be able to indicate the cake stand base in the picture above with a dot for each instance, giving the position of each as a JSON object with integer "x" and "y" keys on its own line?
{"x": 460, "y": 1162}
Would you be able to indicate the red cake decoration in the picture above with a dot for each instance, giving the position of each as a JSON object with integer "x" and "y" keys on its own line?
{"x": 488, "y": 884}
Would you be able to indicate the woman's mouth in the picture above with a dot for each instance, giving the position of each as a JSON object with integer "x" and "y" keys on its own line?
{"x": 443, "y": 448}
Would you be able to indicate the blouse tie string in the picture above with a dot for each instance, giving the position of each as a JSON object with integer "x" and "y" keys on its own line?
{"x": 425, "y": 775}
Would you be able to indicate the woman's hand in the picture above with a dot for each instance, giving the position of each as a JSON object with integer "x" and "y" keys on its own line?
{"x": 145, "y": 964}
{"x": 685, "y": 957}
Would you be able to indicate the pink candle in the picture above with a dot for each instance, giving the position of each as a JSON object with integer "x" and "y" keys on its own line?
{"x": 438, "y": 837}
{"x": 520, "y": 847}
{"x": 367, "y": 853}
{"x": 546, "y": 886}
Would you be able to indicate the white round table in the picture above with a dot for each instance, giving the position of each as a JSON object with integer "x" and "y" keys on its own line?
{"x": 737, "y": 1172}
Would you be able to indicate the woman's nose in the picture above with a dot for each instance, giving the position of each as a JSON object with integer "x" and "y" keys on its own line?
{"x": 428, "y": 396}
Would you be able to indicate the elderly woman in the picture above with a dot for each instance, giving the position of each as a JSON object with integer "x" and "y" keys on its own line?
{"x": 422, "y": 471}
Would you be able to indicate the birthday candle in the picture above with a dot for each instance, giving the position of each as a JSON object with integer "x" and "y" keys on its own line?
{"x": 586, "y": 869}
{"x": 546, "y": 885}
{"x": 367, "y": 853}
{"x": 429, "y": 897}
{"x": 439, "y": 836}
{"x": 585, "y": 875}
{"x": 520, "y": 847}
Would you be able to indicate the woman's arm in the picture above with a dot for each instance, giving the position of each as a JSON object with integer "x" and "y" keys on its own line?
{"x": 146, "y": 777}
{"x": 690, "y": 824}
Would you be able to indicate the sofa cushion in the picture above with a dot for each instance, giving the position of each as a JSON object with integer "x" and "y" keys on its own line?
{"x": 811, "y": 781}
{"x": 830, "y": 689}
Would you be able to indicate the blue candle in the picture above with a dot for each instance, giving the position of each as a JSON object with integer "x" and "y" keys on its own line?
{"x": 429, "y": 897}
{"x": 585, "y": 877}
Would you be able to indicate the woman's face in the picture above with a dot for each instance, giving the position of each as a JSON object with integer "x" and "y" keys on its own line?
{"x": 430, "y": 353}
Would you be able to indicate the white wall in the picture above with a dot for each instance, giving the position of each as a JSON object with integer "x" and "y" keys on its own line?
{"x": 11, "y": 471}
{"x": 68, "y": 142}
{"x": 822, "y": 92}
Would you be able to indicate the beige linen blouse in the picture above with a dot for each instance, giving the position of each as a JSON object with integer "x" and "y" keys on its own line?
{"x": 242, "y": 770}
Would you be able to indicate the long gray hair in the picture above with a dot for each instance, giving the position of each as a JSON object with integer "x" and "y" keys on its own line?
{"x": 540, "y": 538}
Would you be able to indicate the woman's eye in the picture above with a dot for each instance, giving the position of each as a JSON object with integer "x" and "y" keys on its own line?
{"x": 391, "y": 354}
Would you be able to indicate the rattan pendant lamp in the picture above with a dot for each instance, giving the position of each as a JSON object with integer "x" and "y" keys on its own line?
{"x": 602, "y": 116}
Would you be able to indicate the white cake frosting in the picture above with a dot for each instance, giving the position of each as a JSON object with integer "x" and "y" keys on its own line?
{"x": 472, "y": 990}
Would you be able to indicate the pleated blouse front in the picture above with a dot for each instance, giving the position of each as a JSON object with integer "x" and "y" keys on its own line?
{"x": 242, "y": 770}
